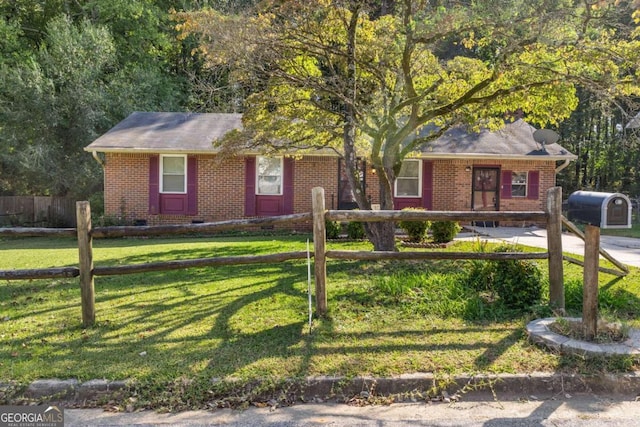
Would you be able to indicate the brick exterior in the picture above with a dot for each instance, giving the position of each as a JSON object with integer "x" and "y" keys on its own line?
{"x": 221, "y": 191}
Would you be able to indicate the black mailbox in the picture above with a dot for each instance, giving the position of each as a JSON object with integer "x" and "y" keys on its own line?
{"x": 604, "y": 210}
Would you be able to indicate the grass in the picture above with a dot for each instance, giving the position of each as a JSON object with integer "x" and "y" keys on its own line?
{"x": 249, "y": 322}
{"x": 634, "y": 231}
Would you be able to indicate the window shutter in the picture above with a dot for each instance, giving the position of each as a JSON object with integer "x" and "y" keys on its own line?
{"x": 505, "y": 185}
{"x": 533, "y": 185}
{"x": 192, "y": 185}
{"x": 427, "y": 184}
{"x": 287, "y": 185}
{"x": 250, "y": 186}
{"x": 154, "y": 185}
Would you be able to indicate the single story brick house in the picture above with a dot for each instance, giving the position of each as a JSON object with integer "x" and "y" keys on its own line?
{"x": 161, "y": 168}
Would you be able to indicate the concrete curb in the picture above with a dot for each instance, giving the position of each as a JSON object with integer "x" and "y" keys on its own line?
{"x": 72, "y": 392}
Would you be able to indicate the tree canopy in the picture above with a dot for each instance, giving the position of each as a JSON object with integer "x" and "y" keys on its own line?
{"x": 382, "y": 82}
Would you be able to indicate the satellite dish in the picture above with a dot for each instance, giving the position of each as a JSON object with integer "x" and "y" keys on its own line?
{"x": 545, "y": 137}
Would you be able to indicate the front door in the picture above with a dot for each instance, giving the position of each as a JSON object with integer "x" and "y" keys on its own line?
{"x": 485, "y": 193}
{"x": 346, "y": 201}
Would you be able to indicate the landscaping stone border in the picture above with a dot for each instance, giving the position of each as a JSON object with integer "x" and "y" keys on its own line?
{"x": 539, "y": 333}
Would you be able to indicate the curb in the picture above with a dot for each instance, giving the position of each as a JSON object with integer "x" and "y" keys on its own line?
{"x": 321, "y": 389}
{"x": 68, "y": 391}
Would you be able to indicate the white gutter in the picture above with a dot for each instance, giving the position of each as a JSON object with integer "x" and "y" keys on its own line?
{"x": 562, "y": 166}
{"x": 98, "y": 159}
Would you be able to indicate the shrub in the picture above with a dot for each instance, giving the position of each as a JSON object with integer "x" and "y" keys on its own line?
{"x": 355, "y": 230}
{"x": 333, "y": 229}
{"x": 518, "y": 283}
{"x": 416, "y": 230}
{"x": 444, "y": 231}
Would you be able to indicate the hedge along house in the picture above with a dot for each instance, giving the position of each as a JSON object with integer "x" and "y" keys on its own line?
{"x": 162, "y": 168}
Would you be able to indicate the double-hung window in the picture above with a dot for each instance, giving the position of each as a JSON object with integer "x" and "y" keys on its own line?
{"x": 408, "y": 181}
{"x": 518, "y": 184}
{"x": 269, "y": 176}
{"x": 173, "y": 174}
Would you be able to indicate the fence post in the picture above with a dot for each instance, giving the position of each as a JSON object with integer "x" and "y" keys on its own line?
{"x": 85, "y": 253}
{"x": 554, "y": 244}
{"x": 319, "y": 244}
{"x": 590, "y": 279}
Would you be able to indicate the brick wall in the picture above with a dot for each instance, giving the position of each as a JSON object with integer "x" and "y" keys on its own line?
{"x": 221, "y": 186}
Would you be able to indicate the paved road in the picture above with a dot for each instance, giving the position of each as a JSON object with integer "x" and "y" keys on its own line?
{"x": 565, "y": 410}
{"x": 623, "y": 249}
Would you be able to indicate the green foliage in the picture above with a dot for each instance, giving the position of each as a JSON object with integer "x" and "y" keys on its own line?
{"x": 518, "y": 283}
{"x": 444, "y": 231}
{"x": 416, "y": 230}
{"x": 478, "y": 63}
{"x": 70, "y": 71}
{"x": 333, "y": 229}
{"x": 355, "y": 230}
{"x": 614, "y": 302}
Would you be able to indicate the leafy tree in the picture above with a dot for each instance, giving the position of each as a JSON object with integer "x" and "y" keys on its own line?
{"x": 342, "y": 74}
{"x": 53, "y": 104}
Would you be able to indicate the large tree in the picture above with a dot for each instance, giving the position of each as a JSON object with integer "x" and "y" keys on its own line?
{"x": 66, "y": 79}
{"x": 382, "y": 79}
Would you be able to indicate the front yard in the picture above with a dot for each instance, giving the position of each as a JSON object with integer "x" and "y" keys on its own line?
{"x": 248, "y": 322}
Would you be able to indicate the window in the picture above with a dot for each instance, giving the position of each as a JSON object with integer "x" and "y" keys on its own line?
{"x": 173, "y": 174}
{"x": 408, "y": 182}
{"x": 518, "y": 184}
{"x": 269, "y": 176}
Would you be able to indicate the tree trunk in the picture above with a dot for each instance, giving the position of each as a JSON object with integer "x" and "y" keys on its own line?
{"x": 382, "y": 235}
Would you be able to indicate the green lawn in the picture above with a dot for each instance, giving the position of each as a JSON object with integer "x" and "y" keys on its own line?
{"x": 251, "y": 322}
{"x": 634, "y": 231}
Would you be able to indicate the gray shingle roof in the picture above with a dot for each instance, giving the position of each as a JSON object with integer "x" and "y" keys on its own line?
{"x": 195, "y": 132}
{"x": 515, "y": 140}
{"x": 167, "y": 132}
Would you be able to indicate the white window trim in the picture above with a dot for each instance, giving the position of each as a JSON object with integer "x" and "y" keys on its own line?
{"x": 526, "y": 185}
{"x": 258, "y": 176}
{"x": 395, "y": 184}
{"x": 162, "y": 157}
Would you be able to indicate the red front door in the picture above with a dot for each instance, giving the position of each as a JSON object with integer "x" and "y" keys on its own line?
{"x": 485, "y": 192}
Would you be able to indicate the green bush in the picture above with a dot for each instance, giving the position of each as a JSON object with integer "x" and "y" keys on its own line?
{"x": 517, "y": 282}
{"x": 416, "y": 230}
{"x": 333, "y": 229}
{"x": 355, "y": 230}
{"x": 444, "y": 231}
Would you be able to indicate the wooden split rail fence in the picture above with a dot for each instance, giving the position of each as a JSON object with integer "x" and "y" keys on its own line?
{"x": 86, "y": 271}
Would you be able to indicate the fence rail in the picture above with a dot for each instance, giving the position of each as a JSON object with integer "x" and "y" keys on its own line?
{"x": 87, "y": 271}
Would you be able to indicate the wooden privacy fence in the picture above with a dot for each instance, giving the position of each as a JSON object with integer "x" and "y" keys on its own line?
{"x": 37, "y": 210}
{"x": 86, "y": 270}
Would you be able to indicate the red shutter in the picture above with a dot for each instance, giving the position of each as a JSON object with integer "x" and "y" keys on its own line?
{"x": 427, "y": 184}
{"x": 154, "y": 184}
{"x": 250, "y": 186}
{"x": 533, "y": 185}
{"x": 192, "y": 185}
{"x": 287, "y": 185}
{"x": 505, "y": 185}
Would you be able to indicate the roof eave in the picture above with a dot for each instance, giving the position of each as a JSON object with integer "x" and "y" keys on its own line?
{"x": 485, "y": 156}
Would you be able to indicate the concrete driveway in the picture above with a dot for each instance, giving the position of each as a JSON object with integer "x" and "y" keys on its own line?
{"x": 623, "y": 249}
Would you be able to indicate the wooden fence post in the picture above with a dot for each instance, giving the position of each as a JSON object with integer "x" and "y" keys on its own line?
{"x": 85, "y": 253}
{"x": 590, "y": 279}
{"x": 319, "y": 248}
{"x": 554, "y": 244}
